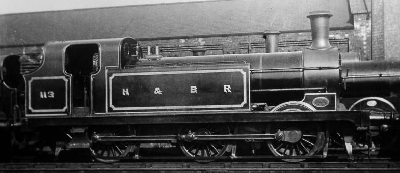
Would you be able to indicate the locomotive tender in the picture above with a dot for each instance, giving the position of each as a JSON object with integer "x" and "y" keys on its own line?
{"x": 100, "y": 95}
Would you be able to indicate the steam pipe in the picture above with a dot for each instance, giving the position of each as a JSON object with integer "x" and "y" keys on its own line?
{"x": 271, "y": 41}
{"x": 320, "y": 29}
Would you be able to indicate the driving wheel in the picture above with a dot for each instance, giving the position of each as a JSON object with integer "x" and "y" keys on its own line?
{"x": 293, "y": 138}
{"x": 110, "y": 152}
{"x": 203, "y": 148}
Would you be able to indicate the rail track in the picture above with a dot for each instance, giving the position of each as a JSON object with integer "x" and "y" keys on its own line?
{"x": 362, "y": 166}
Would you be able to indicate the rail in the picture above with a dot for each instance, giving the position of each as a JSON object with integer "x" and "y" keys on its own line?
{"x": 364, "y": 166}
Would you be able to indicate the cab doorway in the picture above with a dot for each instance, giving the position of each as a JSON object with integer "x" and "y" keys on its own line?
{"x": 81, "y": 62}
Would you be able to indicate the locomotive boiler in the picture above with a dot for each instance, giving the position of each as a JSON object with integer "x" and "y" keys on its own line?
{"x": 100, "y": 95}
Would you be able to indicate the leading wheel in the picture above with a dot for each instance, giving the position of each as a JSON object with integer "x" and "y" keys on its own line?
{"x": 110, "y": 152}
{"x": 206, "y": 149}
{"x": 295, "y": 139}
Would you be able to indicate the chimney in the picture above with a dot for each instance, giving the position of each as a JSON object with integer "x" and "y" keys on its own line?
{"x": 271, "y": 41}
{"x": 320, "y": 29}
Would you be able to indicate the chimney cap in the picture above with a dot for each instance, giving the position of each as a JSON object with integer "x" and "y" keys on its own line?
{"x": 319, "y": 13}
{"x": 270, "y": 32}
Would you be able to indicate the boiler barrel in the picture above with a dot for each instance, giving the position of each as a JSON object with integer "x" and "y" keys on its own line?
{"x": 270, "y": 71}
{"x": 309, "y": 69}
{"x": 377, "y": 78}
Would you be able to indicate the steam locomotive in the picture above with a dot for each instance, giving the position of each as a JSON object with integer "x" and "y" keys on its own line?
{"x": 102, "y": 96}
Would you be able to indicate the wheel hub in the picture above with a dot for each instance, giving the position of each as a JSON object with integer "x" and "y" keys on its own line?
{"x": 291, "y": 135}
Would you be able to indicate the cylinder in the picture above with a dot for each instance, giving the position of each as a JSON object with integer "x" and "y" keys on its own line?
{"x": 320, "y": 29}
{"x": 271, "y": 41}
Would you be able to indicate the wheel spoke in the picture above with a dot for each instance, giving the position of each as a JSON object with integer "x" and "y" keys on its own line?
{"x": 208, "y": 151}
{"x": 102, "y": 151}
{"x": 108, "y": 152}
{"x": 304, "y": 147}
{"x": 197, "y": 151}
{"x": 309, "y": 136}
{"x": 118, "y": 150}
{"x": 299, "y": 150}
{"x": 203, "y": 153}
{"x": 114, "y": 152}
{"x": 308, "y": 142}
{"x": 279, "y": 146}
{"x": 190, "y": 148}
{"x": 286, "y": 148}
{"x": 292, "y": 152}
{"x": 214, "y": 148}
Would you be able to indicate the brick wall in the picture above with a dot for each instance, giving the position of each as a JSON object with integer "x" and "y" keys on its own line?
{"x": 377, "y": 30}
{"x": 376, "y": 36}
{"x": 288, "y": 42}
{"x": 360, "y": 40}
{"x": 392, "y": 29}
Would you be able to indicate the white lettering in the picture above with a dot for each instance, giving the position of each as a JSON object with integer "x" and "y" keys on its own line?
{"x": 43, "y": 95}
{"x": 193, "y": 89}
{"x": 157, "y": 91}
{"x": 125, "y": 92}
{"x": 47, "y": 94}
{"x": 50, "y": 94}
{"x": 227, "y": 89}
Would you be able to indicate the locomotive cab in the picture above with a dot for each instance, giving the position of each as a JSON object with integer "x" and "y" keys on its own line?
{"x": 72, "y": 71}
